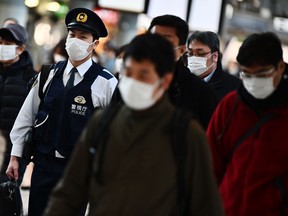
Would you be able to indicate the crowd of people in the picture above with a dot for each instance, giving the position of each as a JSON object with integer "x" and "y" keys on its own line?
{"x": 167, "y": 132}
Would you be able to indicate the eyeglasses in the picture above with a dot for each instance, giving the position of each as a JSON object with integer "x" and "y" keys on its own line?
{"x": 198, "y": 54}
{"x": 262, "y": 74}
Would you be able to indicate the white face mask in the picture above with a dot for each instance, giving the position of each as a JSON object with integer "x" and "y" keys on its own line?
{"x": 77, "y": 49}
{"x": 198, "y": 65}
{"x": 259, "y": 87}
{"x": 138, "y": 95}
{"x": 58, "y": 57}
{"x": 8, "y": 52}
{"x": 118, "y": 65}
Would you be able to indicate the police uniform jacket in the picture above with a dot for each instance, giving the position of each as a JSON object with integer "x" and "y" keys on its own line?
{"x": 62, "y": 114}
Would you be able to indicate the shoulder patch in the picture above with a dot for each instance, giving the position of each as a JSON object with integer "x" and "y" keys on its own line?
{"x": 104, "y": 73}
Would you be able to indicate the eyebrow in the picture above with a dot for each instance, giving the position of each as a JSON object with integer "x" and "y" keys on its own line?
{"x": 196, "y": 50}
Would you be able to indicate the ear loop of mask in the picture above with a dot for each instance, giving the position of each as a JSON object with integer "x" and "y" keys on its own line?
{"x": 212, "y": 60}
{"x": 90, "y": 45}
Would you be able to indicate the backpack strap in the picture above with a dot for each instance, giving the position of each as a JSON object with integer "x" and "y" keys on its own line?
{"x": 180, "y": 121}
{"x": 252, "y": 130}
{"x": 45, "y": 70}
{"x": 101, "y": 131}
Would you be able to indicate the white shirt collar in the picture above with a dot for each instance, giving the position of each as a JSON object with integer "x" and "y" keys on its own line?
{"x": 206, "y": 79}
{"x": 82, "y": 69}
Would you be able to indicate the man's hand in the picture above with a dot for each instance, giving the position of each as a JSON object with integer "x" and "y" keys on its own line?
{"x": 13, "y": 167}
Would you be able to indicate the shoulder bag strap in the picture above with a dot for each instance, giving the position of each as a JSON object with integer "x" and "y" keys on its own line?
{"x": 180, "y": 123}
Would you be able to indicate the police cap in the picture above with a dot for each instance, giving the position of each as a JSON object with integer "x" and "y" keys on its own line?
{"x": 86, "y": 20}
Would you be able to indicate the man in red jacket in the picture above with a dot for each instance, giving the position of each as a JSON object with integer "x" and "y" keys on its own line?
{"x": 248, "y": 133}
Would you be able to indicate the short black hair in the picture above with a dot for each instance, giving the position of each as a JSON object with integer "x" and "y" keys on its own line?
{"x": 208, "y": 38}
{"x": 260, "y": 49}
{"x": 154, "y": 48}
{"x": 181, "y": 27}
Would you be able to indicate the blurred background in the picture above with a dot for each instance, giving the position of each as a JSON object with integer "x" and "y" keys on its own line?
{"x": 233, "y": 20}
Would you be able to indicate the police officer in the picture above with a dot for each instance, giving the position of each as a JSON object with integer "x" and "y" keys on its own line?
{"x": 73, "y": 90}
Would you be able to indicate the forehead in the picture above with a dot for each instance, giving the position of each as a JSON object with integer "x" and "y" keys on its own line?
{"x": 164, "y": 30}
{"x": 138, "y": 67}
{"x": 195, "y": 45}
{"x": 255, "y": 68}
{"x": 80, "y": 32}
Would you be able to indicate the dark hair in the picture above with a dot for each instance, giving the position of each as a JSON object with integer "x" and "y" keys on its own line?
{"x": 210, "y": 39}
{"x": 260, "y": 49}
{"x": 154, "y": 48}
{"x": 206, "y": 37}
{"x": 180, "y": 26}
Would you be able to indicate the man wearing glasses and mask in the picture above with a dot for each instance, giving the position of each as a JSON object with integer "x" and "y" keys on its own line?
{"x": 73, "y": 90}
{"x": 186, "y": 90}
{"x": 204, "y": 60}
{"x": 248, "y": 133}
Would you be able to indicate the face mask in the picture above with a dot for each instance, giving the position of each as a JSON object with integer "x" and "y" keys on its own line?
{"x": 118, "y": 65}
{"x": 8, "y": 52}
{"x": 77, "y": 49}
{"x": 197, "y": 65}
{"x": 138, "y": 95}
{"x": 58, "y": 57}
{"x": 259, "y": 88}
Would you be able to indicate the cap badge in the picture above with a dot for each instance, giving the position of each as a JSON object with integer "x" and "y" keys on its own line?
{"x": 82, "y": 17}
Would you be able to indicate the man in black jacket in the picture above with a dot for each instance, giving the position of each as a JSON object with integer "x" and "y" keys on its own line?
{"x": 16, "y": 70}
{"x": 204, "y": 60}
{"x": 187, "y": 90}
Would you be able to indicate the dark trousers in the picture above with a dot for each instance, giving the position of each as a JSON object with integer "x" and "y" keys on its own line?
{"x": 46, "y": 173}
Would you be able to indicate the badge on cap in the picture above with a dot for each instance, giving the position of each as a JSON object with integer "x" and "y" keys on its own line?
{"x": 82, "y": 17}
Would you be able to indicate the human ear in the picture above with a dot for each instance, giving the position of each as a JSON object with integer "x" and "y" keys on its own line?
{"x": 20, "y": 49}
{"x": 167, "y": 79}
{"x": 182, "y": 49}
{"x": 216, "y": 56}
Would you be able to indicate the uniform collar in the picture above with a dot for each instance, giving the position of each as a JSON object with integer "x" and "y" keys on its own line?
{"x": 82, "y": 69}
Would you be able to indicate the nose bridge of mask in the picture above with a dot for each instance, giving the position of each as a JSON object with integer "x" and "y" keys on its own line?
{"x": 259, "y": 87}
{"x": 197, "y": 60}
